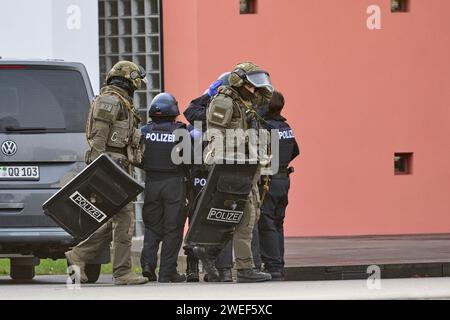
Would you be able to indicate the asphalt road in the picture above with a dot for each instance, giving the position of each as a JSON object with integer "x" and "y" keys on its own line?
{"x": 54, "y": 287}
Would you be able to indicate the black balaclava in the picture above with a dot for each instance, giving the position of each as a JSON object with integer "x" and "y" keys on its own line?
{"x": 123, "y": 84}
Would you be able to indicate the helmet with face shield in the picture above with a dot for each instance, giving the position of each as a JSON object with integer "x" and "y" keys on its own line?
{"x": 249, "y": 73}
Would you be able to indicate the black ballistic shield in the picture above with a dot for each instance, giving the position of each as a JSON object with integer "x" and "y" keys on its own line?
{"x": 221, "y": 205}
{"x": 91, "y": 198}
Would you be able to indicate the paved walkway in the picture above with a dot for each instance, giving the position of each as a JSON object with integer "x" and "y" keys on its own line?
{"x": 53, "y": 287}
{"x": 336, "y": 258}
{"x": 341, "y": 251}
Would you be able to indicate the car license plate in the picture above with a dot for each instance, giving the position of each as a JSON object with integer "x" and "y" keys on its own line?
{"x": 19, "y": 173}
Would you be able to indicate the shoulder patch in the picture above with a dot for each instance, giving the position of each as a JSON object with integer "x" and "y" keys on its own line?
{"x": 106, "y": 108}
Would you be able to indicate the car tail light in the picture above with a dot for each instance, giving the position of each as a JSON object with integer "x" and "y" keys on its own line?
{"x": 11, "y": 67}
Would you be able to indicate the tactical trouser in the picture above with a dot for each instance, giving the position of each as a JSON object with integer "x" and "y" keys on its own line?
{"x": 164, "y": 215}
{"x": 256, "y": 253}
{"x": 119, "y": 230}
{"x": 242, "y": 239}
{"x": 225, "y": 259}
{"x": 271, "y": 231}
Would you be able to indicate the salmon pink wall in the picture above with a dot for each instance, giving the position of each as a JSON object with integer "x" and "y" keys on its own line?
{"x": 354, "y": 97}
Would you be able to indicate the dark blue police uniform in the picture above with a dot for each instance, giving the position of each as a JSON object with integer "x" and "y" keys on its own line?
{"x": 270, "y": 226}
{"x": 164, "y": 212}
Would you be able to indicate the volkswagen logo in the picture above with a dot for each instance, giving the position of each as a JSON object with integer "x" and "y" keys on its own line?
{"x": 9, "y": 148}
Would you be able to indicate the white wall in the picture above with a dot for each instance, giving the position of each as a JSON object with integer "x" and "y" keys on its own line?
{"x": 51, "y": 29}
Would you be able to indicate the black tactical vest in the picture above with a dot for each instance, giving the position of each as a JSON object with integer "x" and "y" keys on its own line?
{"x": 159, "y": 142}
{"x": 287, "y": 141}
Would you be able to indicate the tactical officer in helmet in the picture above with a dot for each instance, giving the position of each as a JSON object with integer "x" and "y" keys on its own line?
{"x": 270, "y": 226}
{"x": 196, "y": 112}
{"x": 234, "y": 107}
{"x": 164, "y": 211}
{"x": 112, "y": 128}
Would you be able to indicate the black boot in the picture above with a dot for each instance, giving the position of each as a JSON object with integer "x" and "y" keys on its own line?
{"x": 276, "y": 273}
{"x": 225, "y": 275}
{"x": 208, "y": 262}
{"x": 176, "y": 277}
{"x": 149, "y": 273}
{"x": 250, "y": 275}
{"x": 277, "y": 276}
{"x": 192, "y": 269}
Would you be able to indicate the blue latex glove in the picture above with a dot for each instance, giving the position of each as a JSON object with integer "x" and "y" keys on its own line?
{"x": 195, "y": 134}
{"x": 212, "y": 90}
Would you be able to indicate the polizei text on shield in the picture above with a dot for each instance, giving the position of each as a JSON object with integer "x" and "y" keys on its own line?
{"x": 223, "y": 215}
{"x": 87, "y": 207}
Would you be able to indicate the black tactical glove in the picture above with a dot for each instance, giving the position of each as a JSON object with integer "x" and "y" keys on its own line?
{"x": 251, "y": 118}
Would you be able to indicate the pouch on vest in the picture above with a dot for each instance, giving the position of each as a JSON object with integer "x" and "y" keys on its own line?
{"x": 220, "y": 111}
{"x": 104, "y": 108}
{"x": 118, "y": 135}
{"x": 134, "y": 149}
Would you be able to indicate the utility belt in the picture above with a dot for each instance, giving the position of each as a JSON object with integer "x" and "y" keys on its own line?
{"x": 119, "y": 157}
{"x": 117, "y": 150}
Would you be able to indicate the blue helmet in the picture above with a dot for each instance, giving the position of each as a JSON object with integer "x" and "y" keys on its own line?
{"x": 164, "y": 105}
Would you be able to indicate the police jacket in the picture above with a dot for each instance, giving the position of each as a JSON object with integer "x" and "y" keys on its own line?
{"x": 196, "y": 111}
{"x": 159, "y": 140}
{"x": 288, "y": 147}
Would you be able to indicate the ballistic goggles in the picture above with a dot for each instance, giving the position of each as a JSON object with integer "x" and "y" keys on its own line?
{"x": 259, "y": 79}
{"x": 140, "y": 73}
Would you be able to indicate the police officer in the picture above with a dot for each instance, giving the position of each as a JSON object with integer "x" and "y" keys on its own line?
{"x": 196, "y": 112}
{"x": 112, "y": 128}
{"x": 270, "y": 226}
{"x": 164, "y": 211}
{"x": 234, "y": 108}
{"x": 198, "y": 175}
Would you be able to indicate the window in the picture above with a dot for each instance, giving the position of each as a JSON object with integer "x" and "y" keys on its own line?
{"x": 403, "y": 163}
{"x": 247, "y": 6}
{"x": 130, "y": 30}
{"x": 399, "y": 5}
{"x": 40, "y": 97}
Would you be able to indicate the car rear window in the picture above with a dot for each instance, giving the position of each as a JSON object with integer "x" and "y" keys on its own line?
{"x": 51, "y": 99}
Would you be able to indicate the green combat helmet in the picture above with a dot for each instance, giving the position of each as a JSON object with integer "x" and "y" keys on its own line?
{"x": 248, "y": 72}
{"x": 130, "y": 71}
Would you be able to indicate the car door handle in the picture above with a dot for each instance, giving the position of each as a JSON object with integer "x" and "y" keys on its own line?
{"x": 11, "y": 205}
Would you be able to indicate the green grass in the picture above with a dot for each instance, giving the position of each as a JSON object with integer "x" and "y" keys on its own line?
{"x": 4, "y": 267}
{"x": 52, "y": 267}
